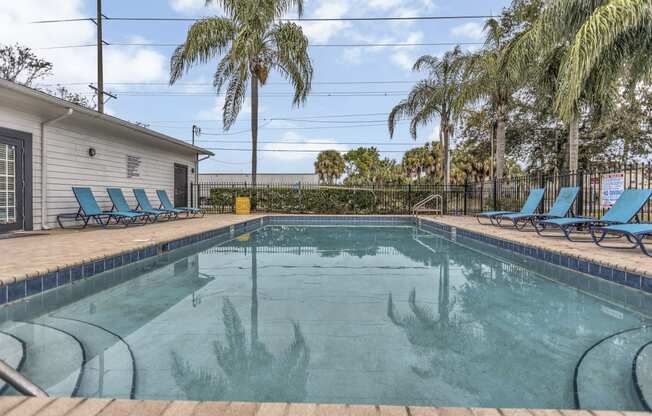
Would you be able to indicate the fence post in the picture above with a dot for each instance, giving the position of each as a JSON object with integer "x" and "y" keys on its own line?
{"x": 466, "y": 191}
{"x": 580, "y": 196}
{"x": 494, "y": 190}
{"x": 409, "y": 195}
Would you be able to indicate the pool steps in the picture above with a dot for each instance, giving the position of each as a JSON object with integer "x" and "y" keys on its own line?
{"x": 604, "y": 373}
{"x": 642, "y": 373}
{"x": 53, "y": 358}
{"x": 109, "y": 367}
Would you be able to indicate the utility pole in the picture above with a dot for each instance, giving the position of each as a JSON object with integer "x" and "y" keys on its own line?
{"x": 100, "y": 61}
{"x": 196, "y": 132}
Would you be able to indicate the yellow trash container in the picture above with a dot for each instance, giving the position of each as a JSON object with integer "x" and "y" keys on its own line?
{"x": 242, "y": 205}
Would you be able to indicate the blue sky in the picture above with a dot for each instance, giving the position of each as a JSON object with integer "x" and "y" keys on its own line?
{"x": 324, "y": 122}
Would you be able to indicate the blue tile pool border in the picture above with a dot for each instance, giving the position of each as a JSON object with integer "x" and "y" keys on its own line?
{"x": 585, "y": 266}
{"x": 34, "y": 285}
{"x": 37, "y": 284}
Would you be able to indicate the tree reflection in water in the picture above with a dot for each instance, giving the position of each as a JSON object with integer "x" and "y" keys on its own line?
{"x": 250, "y": 372}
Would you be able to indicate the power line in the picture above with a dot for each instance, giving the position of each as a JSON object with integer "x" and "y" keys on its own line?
{"x": 203, "y": 84}
{"x": 269, "y": 95}
{"x": 291, "y": 150}
{"x": 320, "y": 116}
{"x": 323, "y": 45}
{"x": 313, "y": 142}
{"x": 303, "y": 19}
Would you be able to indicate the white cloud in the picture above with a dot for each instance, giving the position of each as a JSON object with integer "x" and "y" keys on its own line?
{"x": 292, "y": 140}
{"x": 320, "y": 32}
{"x": 471, "y": 30}
{"x": 192, "y": 6}
{"x": 215, "y": 110}
{"x": 121, "y": 64}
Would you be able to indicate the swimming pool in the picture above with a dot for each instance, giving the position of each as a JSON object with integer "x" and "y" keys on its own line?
{"x": 339, "y": 313}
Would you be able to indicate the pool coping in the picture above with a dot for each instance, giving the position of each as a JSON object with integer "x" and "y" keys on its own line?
{"x": 18, "y": 405}
{"x": 585, "y": 265}
{"x": 35, "y": 284}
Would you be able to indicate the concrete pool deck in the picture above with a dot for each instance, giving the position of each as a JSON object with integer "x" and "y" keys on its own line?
{"x": 21, "y": 406}
{"x": 628, "y": 260}
{"x": 26, "y": 257}
{"x": 34, "y": 255}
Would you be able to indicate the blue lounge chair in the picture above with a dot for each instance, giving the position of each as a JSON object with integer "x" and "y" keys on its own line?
{"x": 145, "y": 205}
{"x": 90, "y": 210}
{"x": 167, "y": 204}
{"x": 530, "y": 207}
{"x": 561, "y": 207}
{"x": 622, "y": 212}
{"x": 120, "y": 204}
{"x": 635, "y": 234}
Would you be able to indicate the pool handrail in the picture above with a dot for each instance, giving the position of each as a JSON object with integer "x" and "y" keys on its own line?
{"x": 22, "y": 384}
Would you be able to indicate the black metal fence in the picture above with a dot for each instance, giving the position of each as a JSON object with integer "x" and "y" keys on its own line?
{"x": 462, "y": 199}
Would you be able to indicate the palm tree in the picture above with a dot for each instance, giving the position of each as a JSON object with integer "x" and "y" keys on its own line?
{"x": 599, "y": 42}
{"x": 329, "y": 166}
{"x": 250, "y": 42}
{"x": 488, "y": 80}
{"x": 439, "y": 95}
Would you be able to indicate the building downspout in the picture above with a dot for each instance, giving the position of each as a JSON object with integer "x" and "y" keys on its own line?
{"x": 197, "y": 176}
{"x": 44, "y": 165}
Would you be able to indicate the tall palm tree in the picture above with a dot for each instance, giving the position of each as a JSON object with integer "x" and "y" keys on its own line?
{"x": 439, "y": 95}
{"x": 250, "y": 41}
{"x": 601, "y": 41}
{"x": 329, "y": 166}
{"x": 487, "y": 79}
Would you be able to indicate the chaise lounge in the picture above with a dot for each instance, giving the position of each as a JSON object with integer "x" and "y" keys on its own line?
{"x": 167, "y": 204}
{"x": 120, "y": 204}
{"x": 561, "y": 207}
{"x": 90, "y": 210}
{"x": 529, "y": 208}
{"x": 620, "y": 214}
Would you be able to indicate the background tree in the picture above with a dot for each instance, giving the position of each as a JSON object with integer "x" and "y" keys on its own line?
{"x": 329, "y": 166}
{"x": 73, "y": 97}
{"x": 439, "y": 95}
{"x": 251, "y": 42}
{"x": 596, "y": 44}
{"x": 488, "y": 80}
{"x": 19, "y": 64}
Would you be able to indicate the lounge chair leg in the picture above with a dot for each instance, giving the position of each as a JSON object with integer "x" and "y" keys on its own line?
{"x": 641, "y": 244}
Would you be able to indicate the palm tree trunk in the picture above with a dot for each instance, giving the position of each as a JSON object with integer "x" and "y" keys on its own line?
{"x": 573, "y": 143}
{"x": 254, "y": 130}
{"x": 500, "y": 142}
{"x": 445, "y": 143}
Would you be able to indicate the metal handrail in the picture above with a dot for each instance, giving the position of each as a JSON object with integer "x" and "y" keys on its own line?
{"x": 18, "y": 381}
{"x": 419, "y": 206}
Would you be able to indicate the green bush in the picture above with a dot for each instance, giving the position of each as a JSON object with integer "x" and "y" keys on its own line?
{"x": 307, "y": 200}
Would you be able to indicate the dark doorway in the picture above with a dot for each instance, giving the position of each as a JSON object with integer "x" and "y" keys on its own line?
{"x": 15, "y": 181}
{"x": 180, "y": 185}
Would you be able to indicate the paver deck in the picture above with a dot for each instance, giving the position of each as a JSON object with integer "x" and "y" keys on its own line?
{"x": 629, "y": 260}
{"x": 21, "y": 406}
{"x": 40, "y": 254}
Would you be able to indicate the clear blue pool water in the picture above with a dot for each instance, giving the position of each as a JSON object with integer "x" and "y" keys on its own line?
{"x": 337, "y": 314}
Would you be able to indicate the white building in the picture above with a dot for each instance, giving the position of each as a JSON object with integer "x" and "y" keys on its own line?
{"x": 261, "y": 178}
{"x": 82, "y": 148}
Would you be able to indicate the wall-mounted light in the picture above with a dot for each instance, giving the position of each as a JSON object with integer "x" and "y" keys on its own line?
{"x": 92, "y": 152}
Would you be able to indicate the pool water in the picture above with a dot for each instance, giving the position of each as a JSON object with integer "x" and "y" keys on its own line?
{"x": 336, "y": 314}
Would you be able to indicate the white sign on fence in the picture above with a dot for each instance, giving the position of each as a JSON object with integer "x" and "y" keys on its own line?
{"x": 613, "y": 185}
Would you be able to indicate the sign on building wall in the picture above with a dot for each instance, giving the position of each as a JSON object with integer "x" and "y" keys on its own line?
{"x": 133, "y": 166}
{"x": 613, "y": 185}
